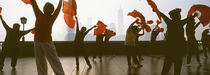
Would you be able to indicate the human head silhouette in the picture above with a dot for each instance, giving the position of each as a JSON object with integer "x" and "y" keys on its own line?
{"x": 135, "y": 29}
{"x": 175, "y": 14}
{"x": 16, "y": 26}
{"x": 83, "y": 29}
{"x": 48, "y": 8}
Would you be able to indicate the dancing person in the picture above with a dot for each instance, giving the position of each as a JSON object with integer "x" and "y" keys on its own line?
{"x": 192, "y": 44}
{"x": 11, "y": 43}
{"x": 43, "y": 45}
{"x": 130, "y": 43}
{"x": 79, "y": 43}
{"x": 100, "y": 45}
{"x": 175, "y": 41}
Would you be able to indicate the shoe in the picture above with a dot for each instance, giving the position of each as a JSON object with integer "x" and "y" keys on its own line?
{"x": 90, "y": 66}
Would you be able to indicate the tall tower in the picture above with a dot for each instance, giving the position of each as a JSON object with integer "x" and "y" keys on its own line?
{"x": 120, "y": 18}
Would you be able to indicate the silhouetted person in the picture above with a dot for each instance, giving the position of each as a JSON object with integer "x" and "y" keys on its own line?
{"x": 130, "y": 43}
{"x": 43, "y": 45}
{"x": 205, "y": 41}
{"x": 11, "y": 43}
{"x": 192, "y": 44}
{"x": 100, "y": 45}
{"x": 80, "y": 45}
{"x": 175, "y": 43}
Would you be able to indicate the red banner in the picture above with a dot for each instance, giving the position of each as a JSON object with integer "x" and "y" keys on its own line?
{"x": 0, "y": 10}
{"x": 138, "y": 15}
{"x": 69, "y": 10}
{"x": 101, "y": 27}
{"x": 110, "y": 33}
{"x": 204, "y": 13}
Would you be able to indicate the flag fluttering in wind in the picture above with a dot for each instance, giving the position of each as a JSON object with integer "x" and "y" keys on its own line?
{"x": 27, "y": 1}
{"x": 142, "y": 21}
{"x": 203, "y": 11}
{"x": 101, "y": 28}
{"x": 159, "y": 29}
{"x": 137, "y": 15}
{"x": 154, "y": 7}
{"x": 70, "y": 12}
{"x": 0, "y": 10}
{"x": 110, "y": 33}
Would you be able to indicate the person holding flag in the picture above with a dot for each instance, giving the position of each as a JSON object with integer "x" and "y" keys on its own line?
{"x": 43, "y": 45}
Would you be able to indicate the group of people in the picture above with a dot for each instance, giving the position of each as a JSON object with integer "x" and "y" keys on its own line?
{"x": 44, "y": 47}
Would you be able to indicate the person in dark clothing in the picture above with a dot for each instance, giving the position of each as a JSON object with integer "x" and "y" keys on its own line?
{"x": 100, "y": 45}
{"x": 205, "y": 42}
{"x": 175, "y": 42}
{"x": 192, "y": 43}
{"x": 130, "y": 43}
{"x": 11, "y": 43}
{"x": 137, "y": 41}
{"x": 79, "y": 43}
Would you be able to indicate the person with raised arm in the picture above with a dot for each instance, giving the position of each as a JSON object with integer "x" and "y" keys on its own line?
{"x": 130, "y": 43}
{"x": 11, "y": 43}
{"x": 79, "y": 43}
{"x": 205, "y": 42}
{"x": 175, "y": 43}
{"x": 43, "y": 43}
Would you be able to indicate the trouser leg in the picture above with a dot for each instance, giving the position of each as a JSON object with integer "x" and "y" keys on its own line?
{"x": 51, "y": 54}
{"x": 178, "y": 65}
{"x": 167, "y": 65}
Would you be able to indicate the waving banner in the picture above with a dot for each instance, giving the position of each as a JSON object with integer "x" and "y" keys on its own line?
{"x": 0, "y": 10}
{"x": 110, "y": 33}
{"x": 70, "y": 11}
{"x": 101, "y": 27}
{"x": 154, "y": 7}
{"x": 203, "y": 12}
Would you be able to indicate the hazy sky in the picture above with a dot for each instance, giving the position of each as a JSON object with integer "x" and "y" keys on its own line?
{"x": 105, "y": 10}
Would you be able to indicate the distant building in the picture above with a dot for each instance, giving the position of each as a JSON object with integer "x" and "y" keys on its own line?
{"x": 120, "y": 24}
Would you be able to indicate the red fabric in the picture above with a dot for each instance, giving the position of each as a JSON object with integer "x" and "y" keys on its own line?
{"x": 159, "y": 29}
{"x": 158, "y": 22}
{"x": 70, "y": 10}
{"x": 33, "y": 31}
{"x": 110, "y": 33}
{"x": 147, "y": 28}
{"x": 150, "y": 22}
{"x": 101, "y": 27}
{"x": 205, "y": 13}
{"x": 154, "y": 7}
{"x": 137, "y": 14}
{"x": 27, "y": 2}
{"x": 0, "y": 10}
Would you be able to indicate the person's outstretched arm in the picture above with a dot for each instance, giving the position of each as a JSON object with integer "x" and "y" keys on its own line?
{"x": 36, "y": 9}
{"x": 89, "y": 30}
{"x": 165, "y": 18}
{"x": 77, "y": 28}
{"x": 25, "y": 32}
{"x": 4, "y": 23}
{"x": 133, "y": 23}
{"x": 186, "y": 19}
{"x": 197, "y": 25}
{"x": 142, "y": 33}
{"x": 57, "y": 11}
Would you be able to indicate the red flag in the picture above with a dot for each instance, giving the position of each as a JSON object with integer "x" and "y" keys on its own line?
{"x": 0, "y": 10}
{"x": 27, "y": 2}
{"x": 101, "y": 27}
{"x": 147, "y": 28}
{"x": 150, "y": 22}
{"x": 137, "y": 14}
{"x": 110, "y": 33}
{"x": 70, "y": 11}
{"x": 205, "y": 13}
{"x": 154, "y": 7}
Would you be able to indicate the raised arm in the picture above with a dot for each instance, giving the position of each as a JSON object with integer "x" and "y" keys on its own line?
{"x": 186, "y": 19}
{"x": 165, "y": 18}
{"x": 89, "y": 30}
{"x": 133, "y": 23}
{"x": 57, "y": 11}
{"x": 36, "y": 9}
{"x": 25, "y": 32}
{"x": 197, "y": 25}
{"x": 77, "y": 28}
{"x": 4, "y": 23}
